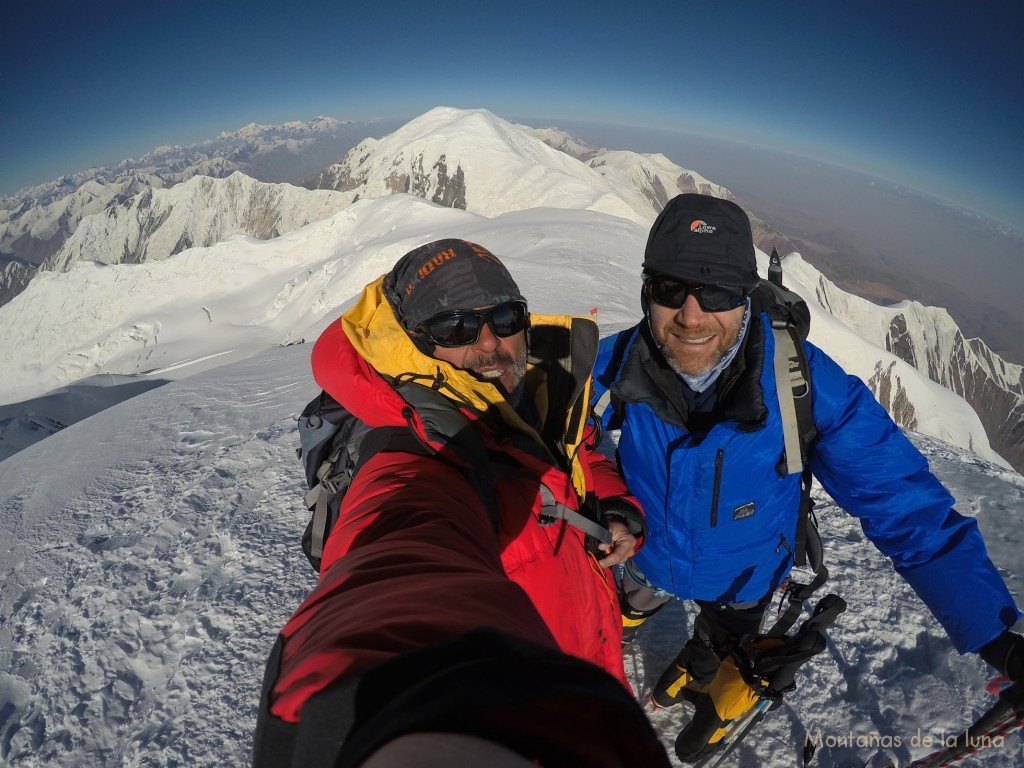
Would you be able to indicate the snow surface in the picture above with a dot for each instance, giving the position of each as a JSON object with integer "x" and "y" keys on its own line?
{"x": 150, "y": 552}
{"x": 208, "y": 306}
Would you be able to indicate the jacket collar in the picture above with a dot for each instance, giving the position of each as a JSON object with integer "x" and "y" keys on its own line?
{"x": 645, "y": 377}
{"x": 562, "y": 351}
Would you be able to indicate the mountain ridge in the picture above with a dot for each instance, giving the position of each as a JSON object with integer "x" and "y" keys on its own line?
{"x": 149, "y": 319}
{"x": 473, "y": 160}
{"x": 36, "y": 221}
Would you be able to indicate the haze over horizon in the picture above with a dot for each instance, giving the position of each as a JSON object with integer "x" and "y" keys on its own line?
{"x": 930, "y": 100}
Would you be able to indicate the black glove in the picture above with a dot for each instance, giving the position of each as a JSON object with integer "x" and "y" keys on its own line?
{"x": 615, "y": 508}
{"x": 1006, "y": 654}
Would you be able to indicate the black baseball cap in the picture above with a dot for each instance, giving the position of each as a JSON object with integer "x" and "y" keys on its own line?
{"x": 703, "y": 239}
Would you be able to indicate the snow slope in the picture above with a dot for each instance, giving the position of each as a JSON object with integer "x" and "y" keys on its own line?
{"x": 150, "y": 553}
{"x": 207, "y": 306}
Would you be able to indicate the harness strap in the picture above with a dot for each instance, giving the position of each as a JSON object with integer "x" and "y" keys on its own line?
{"x": 321, "y": 516}
{"x": 551, "y": 511}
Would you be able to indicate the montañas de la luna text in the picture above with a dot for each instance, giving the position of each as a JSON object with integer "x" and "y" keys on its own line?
{"x": 939, "y": 739}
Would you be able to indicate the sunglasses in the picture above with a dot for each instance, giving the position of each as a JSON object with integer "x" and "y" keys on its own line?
{"x": 461, "y": 327}
{"x": 671, "y": 293}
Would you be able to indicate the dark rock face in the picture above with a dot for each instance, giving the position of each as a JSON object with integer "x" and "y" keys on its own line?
{"x": 898, "y": 341}
{"x": 970, "y": 369}
{"x": 15, "y": 275}
{"x": 438, "y": 185}
{"x": 450, "y": 191}
{"x": 889, "y": 390}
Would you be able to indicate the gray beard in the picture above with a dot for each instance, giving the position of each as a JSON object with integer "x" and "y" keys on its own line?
{"x": 678, "y": 369}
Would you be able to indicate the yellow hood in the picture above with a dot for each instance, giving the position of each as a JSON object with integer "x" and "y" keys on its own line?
{"x": 379, "y": 339}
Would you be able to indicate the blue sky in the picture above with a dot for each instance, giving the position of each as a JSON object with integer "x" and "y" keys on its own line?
{"x": 929, "y": 94}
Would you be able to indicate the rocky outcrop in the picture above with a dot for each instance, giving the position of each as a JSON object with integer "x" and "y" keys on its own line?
{"x": 890, "y": 392}
{"x": 930, "y": 340}
{"x": 202, "y": 211}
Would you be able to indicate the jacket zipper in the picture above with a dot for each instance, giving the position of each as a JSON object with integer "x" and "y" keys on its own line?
{"x": 719, "y": 458}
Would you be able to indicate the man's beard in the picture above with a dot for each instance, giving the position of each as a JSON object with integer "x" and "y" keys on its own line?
{"x": 687, "y": 368}
{"x": 516, "y": 364}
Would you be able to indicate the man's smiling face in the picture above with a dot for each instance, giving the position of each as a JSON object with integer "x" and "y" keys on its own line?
{"x": 694, "y": 341}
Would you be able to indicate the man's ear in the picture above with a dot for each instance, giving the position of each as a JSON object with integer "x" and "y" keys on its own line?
{"x": 645, "y": 298}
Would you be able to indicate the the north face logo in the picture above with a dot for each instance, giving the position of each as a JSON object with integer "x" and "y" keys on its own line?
{"x": 701, "y": 228}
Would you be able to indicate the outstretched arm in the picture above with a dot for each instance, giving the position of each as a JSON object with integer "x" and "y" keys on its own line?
{"x": 414, "y": 629}
{"x": 874, "y": 472}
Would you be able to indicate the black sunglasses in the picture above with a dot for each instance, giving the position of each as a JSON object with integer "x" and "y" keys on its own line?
{"x": 671, "y": 293}
{"x": 461, "y": 327}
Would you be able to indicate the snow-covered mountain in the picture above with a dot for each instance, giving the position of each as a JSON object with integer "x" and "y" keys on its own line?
{"x": 151, "y": 553}
{"x": 146, "y": 222}
{"x": 35, "y": 221}
{"x": 158, "y": 223}
{"x": 472, "y": 160}
{"x": 929, "y": 339}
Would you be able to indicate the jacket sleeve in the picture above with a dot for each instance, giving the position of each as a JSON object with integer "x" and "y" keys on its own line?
{"x": 412, "y": 561}
{"x": 875, "y": 473}
{"x": 613, "y": 497}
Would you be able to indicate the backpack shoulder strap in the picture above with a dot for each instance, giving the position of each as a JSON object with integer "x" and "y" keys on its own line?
{"x": 793, "y": 386}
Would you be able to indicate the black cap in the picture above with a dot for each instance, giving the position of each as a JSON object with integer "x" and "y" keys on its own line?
{"x": 446, "y": 275}
{"x": 704, "y": 239}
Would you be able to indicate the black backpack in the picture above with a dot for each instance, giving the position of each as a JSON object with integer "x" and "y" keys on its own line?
{"x": 329, "y": 442}
{"x": 334, "y": 444}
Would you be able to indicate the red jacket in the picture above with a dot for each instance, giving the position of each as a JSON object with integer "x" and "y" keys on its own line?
{"x": 403, "y": 502}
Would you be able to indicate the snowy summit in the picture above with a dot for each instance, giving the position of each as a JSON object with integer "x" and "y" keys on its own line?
{"x": 151, "y": 551}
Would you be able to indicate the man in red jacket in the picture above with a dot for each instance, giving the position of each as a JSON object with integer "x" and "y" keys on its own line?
{"x": 447, "y": 603}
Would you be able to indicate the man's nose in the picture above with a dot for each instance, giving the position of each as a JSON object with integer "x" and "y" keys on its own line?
{"x": 690, "y": 313}
{"x": 488, "y": 341}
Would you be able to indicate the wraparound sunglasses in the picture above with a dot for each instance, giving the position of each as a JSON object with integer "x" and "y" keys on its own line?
{"x": 671, "y": 292}
{"x": 461, "y": 327}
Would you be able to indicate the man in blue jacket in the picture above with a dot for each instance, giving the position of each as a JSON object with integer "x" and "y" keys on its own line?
{"x": 693, "y": 392}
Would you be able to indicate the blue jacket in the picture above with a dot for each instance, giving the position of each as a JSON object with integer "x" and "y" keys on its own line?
{"x": 721, "y": 520}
